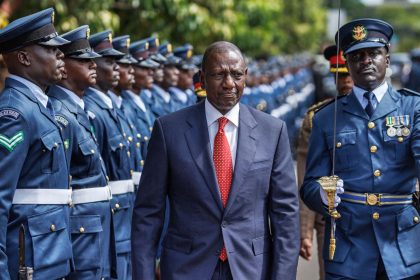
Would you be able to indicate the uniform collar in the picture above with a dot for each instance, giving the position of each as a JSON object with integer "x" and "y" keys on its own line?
{"x": 36, "y": 90}
{"x": 117, "y": 99}
{"x": 212, "y": 114}
{"x": 137, "y": 100}
{"x": 105, "y": 98}
{"x": 162, "y": 93}
{"x": 379, "y": 92}
{"x": 76, "y": 99}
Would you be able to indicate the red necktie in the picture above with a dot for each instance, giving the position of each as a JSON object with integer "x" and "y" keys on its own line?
{"x": 223, "y": 164}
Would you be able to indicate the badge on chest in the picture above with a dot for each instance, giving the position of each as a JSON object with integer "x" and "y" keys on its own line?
{"x": 398, "y": 126}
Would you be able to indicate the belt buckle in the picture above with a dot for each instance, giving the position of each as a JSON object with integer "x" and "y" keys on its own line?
{"x": 373, "y": 199}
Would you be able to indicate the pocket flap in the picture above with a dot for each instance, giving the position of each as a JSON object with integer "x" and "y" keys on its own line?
{"x": 123, "y": 201}
{"x": 87, "y": 147}
{"x": 406, "y": 218}
{"x": 178, "y": 243}
{"x": 261, "y": 244}
{"x": 116, "y": 142}
{"x": 51, "y": 140}
{"x": 85, "y": 224}
{"x": 47, "y": 222}
{"x": 344, "y": 138}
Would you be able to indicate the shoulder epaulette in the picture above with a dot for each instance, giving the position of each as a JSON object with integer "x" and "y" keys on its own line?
{"x": 328, "y": 102}
{"x": 407, "y": 91}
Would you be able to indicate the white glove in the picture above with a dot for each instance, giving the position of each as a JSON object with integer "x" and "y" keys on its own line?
{"x": 337, "y": 200}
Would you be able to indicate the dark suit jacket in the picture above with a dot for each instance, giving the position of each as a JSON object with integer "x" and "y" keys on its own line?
{"x": 179, "y": 165}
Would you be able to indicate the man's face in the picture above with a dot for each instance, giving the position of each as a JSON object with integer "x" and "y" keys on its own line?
{"x": 47, "y": 63}
{"x": 170, "y": 76}
{"x": 223, "y": 78}
{"x": 126, "y": 76}
{"x": 143, "y": 77}
{"x": 81, "y": 71}
{"x": 108, "y": 72}
{"x": 158, "y": 74}
{"x": 368, "y": 66}
{"x": 185, "y": 79}
{"x": 344, "y": 83}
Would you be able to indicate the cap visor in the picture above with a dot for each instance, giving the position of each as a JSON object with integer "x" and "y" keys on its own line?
{"x": 148, "y": 64}
{"x": 85, "y": 55}
{"x": 127, "y": 59}
{"x": 364, "y": 45}
{"x": 55, "y": 41}
{"x": 111, "y": 52}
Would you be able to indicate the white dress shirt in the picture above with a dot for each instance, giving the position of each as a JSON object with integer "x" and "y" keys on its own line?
{"x": 36, "y": 90}
{"x": 231, "y": 128}
{"x": 79, "y": 101}
{"x": 379, "y": 93}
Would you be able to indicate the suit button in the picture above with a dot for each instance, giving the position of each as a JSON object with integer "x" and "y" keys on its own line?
{"x": 81, "y": 229}
{"x": 377, "y": 173}
{"x": 416, "y": 219}
{"x": 52, "y": 227}
{"x": 373, "y": 149}
{"x": 117, "y": 206}
{"x": 338, "y": 145}
{"x": 400, "y": 139}
{"x": 138, "y": 135}
{"x": 375, "y": 216}
{"x": 371, "y": 125}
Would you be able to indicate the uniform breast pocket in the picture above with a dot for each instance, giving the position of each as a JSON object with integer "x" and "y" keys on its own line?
{"x": 408, "y": 235}
{"x": 50, "y": 238}
{"x": 346, "y": 150}
{"x": 119, "y": 149}
{"x": 85, "y": 235}
{"x": 90, "y": 155}
{"x": 51, "y": 144}
{"x": 397, "y": 149}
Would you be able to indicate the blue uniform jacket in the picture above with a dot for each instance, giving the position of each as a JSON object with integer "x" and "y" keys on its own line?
{"x": 113, "y": 148}
{"x": 91, "y": 248}
{"x": 159, "y": 106}
{"x": 31, "y": 157}
{"x": 364, "y": 148}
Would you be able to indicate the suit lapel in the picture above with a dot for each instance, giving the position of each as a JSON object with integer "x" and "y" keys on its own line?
{"x": 246, "y": 149}
{"x": 352, "y": 106}
{"x": 197, "y": 138}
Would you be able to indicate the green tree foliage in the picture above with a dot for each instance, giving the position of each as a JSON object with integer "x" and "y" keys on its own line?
{"x": 260, "y": 28}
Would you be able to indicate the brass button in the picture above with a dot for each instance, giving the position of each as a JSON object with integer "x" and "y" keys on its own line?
{"x": 373, "y": 149}
{"x": 112, "y": 211}
{"x": 70, "y": 178}
{"x": 130, "y": 138}
{"x": 375, "y": 216}
{"x": 416, "y": 219}
{"x": 150, "y": 128}
{"x": 81, "y": 229}
{"x": 146, "y": 138}
{"x": 52, "y": 227}
{"x": 128, "y": 154}
{"x": 55, "y": 144}
{"x": 138, "y": 145}
{"x": 131, "y": 172}
{"x": 124, "y": 135}
{"x": 132, "y": 126}
{"x": 142, "y": 162}
{"x": 107, "y": 178}
{"x": 138, "y": 135}
{"x": 121, "y": 145}
{"x": 371, "y": 125}
{"x": 377, "y": 173}
{"x": 338, "y": 145}
{"x": 92, "y": 151}
{"x": 400, "y": 139}
{"x": 117, "y": 206}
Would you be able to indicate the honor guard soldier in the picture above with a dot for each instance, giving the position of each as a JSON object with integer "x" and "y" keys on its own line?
{"x": 90, "y": 218}
{"x": 35, "y": 195}
{"x": 413, "y": 81}
{"x": 127, "y": 119}
{"x": 375, "y": 138}
{"x": 184, "y": 90}
{"x": 310, "y": 220}
{"x": 137, "y": 100}
{"x": 112, "y": 145}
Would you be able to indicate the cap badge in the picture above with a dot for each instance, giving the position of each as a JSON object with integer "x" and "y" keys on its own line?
{"x": 110, "y": 37}
{"x": 189, "y": 53}
{"x": 169, "y": 48}
{"x": 87, "y": 33}
{"x": 359, "y": 32}
{"x": 127, "y": 42}
{"x": 52, "y": 17}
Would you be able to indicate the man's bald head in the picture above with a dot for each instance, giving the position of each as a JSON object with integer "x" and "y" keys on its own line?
{"x": 219, "y": 47}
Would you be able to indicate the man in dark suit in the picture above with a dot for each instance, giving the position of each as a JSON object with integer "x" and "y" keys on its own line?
{"x": 227, "y": 171}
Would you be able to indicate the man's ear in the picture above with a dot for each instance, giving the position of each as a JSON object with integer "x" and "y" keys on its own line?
{"x": 202, "y": 79}
{"x": 24, "y": 57}
{"x": 388, "y": 59}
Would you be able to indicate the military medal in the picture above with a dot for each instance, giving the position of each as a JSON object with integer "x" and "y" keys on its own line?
{"x": 405, "y": 131}
{"x": 390, "y": 122}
